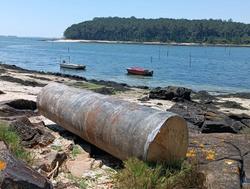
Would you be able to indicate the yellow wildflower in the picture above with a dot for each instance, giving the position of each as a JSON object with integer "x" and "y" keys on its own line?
{"x": 201, "y": 145}
{"x": 2, "y": 165}
{"x": 210, "y": 155}
{"x": 191, "y": 153}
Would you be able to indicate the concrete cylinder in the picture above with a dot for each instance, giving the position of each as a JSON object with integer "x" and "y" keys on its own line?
{"x": 121, "y": 128}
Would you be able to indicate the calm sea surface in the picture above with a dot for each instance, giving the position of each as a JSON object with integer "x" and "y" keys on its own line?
{"x": 208, "y": 68}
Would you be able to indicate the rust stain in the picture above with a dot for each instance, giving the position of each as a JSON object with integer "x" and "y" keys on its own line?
{"x": 91, "y": 122}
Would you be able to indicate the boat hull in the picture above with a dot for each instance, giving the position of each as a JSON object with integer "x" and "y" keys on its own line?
{"x": 73, "y": 66}
{"x": 140, "y": 72}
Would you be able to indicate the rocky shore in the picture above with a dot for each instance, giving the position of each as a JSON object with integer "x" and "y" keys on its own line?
{"x": 219, "y": 132}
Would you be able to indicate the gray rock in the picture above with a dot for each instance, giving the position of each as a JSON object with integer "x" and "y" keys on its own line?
{"x": 32, "y": 134}
{"x": 208, "y": 120}
{"x": 204, "y": 97}
{"x": 22, "y": 104}
{"x": 246, "y": 122}
{"x": 170, "y": 93}
{"x": 52, "y": 160}
{"x": 222, "y": 158}
{"x": 191, "y": 112}
{"x": 246, "y": 175}
{"x": 17, "y": 175}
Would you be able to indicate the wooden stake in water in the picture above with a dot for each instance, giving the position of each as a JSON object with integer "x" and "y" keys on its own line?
{"x": 159, "y": 53}
{"x": 151, "y": 59}
{"x": 190, "y": 59}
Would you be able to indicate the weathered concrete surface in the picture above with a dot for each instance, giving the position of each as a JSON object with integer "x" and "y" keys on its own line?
{"x": 223, "y": 158}
{"x": 16, "y": 174}
{"x": 121, "y": 128}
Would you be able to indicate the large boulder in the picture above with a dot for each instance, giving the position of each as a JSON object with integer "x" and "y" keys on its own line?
{"x": 222, "y": 126}
{"x": 170, "y": 93}
{"x": 191, "y": 112}
{"x": 207, "y": 120}
{"x": 32, "y": 135}
{"x": 203, "y": 96}
{"x": 15, "y": 174}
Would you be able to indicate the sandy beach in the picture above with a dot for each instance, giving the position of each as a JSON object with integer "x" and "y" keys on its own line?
{"x": 144, "y": 43}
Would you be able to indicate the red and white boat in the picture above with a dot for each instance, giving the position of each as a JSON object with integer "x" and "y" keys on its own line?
{"x": 140, "y": 71}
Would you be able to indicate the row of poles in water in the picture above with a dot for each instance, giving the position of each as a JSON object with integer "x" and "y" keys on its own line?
{"x": 189, "y": 57}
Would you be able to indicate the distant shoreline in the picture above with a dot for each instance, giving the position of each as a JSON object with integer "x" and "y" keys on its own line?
{"x": 145, "y": 43}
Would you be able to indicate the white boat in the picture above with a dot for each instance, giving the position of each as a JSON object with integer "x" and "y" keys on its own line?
{"x": 72, "y": 66}
{"x": 69, "y": 65}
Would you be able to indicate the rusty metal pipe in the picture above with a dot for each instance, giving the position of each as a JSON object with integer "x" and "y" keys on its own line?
{"x": 121, "y": 128}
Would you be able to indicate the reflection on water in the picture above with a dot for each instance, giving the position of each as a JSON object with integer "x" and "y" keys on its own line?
{"x": 71, "y": 71}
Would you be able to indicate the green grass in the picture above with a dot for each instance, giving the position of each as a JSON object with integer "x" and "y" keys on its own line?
{"x": 245, "y": 131}
{"x": 78, "y": 182}
{"x": 13, "y": 141}
{"x": 86, "y": 85}
{"x": 91, "y": 86}
{"x": 57, "y": 148}
{"x": 75, "y": 151}
{"x": 140, "y": 175}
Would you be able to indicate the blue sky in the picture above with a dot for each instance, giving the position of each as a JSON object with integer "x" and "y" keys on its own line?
{"x": 49, "y": 18}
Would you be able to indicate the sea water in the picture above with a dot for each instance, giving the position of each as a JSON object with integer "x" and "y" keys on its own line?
{"x": 224, "y": 69}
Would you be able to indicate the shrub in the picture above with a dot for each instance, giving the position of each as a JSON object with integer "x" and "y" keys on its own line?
{"x": 140, "y": 175}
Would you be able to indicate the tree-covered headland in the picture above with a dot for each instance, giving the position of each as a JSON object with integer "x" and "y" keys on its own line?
{"x": 161, "y": 30}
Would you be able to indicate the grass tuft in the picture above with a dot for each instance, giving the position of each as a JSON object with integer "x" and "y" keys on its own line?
{"x": 13, "y": 141}
{"x": 76, "y": 151}
{"x": 140, "y": 175}
{"x": 78, "y": 182}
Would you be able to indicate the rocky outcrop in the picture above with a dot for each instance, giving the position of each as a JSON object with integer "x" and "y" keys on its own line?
{"x": 203, "y": 96}
{"x": 20, "y": 81}
{"x": 21, "y": 104}
{"x": 16, "y": 174}
{"x": 170, "y": 93}
{"x": 207, "y": 120}
{"x": 11, "y": 110}
{"x": 244, "y": 95}
{"x": 223, "y": 159}
{"x": 105, "y": 90}
{"x": 8, "y": 113}
{"x": 32, "y": 135}
{"x": 17, "y": 112}
{"x": 50, "y": 163}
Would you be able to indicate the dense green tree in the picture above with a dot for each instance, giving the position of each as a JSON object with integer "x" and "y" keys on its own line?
{"x": 161, "y": 30}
